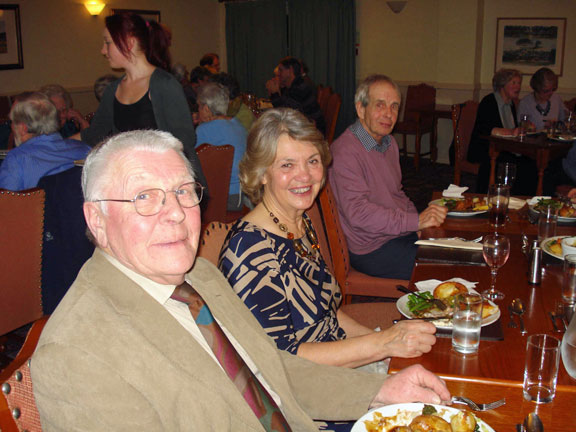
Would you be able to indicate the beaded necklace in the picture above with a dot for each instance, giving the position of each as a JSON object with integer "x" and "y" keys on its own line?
{"x": 543, "y": 111}
{"x": 298, "y": 245}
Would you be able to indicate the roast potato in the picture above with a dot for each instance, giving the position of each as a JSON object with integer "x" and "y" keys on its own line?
{"x": 449, "y": 289}
{"x": 430, "y": 423}
{"x": 463, "y": 422}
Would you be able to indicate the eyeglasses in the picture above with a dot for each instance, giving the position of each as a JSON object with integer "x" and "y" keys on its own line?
{"x": 149, "y": 202}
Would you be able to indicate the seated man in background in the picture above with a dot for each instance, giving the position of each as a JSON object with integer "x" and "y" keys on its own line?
{"x": 294, "y": 89}
{"x": 211, "y": 61}
{"x": 379, "y": 220}
{"x": 218, "y": 129}
{"x": 40, "y": 149}
{"x": 71, "y": 121}
{"x": 136, "y": 342}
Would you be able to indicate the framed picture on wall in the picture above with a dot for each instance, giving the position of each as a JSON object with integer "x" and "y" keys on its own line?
{"x": 10, "y": 37}
{"x": 528, "y": 44}
{"x": 148, "y": 15}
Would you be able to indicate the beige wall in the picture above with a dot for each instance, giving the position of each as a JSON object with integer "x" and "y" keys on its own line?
{"x": 450, "y": 44}
{"x": 62, "y": 42}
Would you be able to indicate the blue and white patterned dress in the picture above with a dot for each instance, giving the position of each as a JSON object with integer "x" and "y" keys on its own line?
{"x": 295, "y": 299}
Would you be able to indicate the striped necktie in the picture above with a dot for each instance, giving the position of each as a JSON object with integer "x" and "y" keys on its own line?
{"x": 254, "y": 393}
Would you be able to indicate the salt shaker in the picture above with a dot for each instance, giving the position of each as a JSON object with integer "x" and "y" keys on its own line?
{"x": 535, "y": 271}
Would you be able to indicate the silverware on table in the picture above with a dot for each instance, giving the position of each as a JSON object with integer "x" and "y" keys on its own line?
{"x": 478, "y": 406}
{"x": 511, "y": 323}
{"x": 518, "y": 309}
{"x": 532, "y": 423}
{"x": 553, "y": 319}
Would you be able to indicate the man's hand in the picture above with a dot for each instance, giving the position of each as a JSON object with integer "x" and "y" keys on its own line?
{"x": 413, "y": 384}
{"x": 72, "y": 114}
{"x": 433, "y": 216}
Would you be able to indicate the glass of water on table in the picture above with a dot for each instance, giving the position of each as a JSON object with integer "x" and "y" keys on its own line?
{"x": 467, "y": 322}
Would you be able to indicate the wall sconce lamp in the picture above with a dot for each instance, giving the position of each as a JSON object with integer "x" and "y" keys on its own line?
{"x": 94, "y": 7}
{"x": 396, "y": 6}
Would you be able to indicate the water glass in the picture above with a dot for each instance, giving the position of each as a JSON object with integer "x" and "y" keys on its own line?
{"x": 541, "y": 370}
{"x": 547, "y": 221}
{"x": 506, "y": 173}
{"x": 569, "y": 279}
{"x": 498, "y": 199}
{"x": 523, "y": 126}
{"x": 467, "y": 322}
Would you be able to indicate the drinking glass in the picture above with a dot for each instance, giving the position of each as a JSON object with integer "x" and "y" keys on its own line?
{"x": 541, "y": 370}
{"x": 569, "y": 279}
{"x": 498, "y": 199}
{"x": 496, "y": 250}
{"x": 523, "y": 126}
{"x": 506, "y": 173}
{"x": 547, "y": 221}
{"x": 467, "y": 322}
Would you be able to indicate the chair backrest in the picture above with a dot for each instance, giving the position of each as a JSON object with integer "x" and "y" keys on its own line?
{"x": 336, "y": 239}
{"x": 421, "y": 96}
{"x": 331, "y": 115}
{"x": 315, "y": 216}
{"x": 212, "y": 240}
{"x": 18, "y": 411}
{"x": 570, "y": 104}
{"x": 324, "y": 94}
{"x": 463, "y": 118}
{"x": 5, "y": 105}
{"x": 216, "y": 162}
{"x": 21, "y": 228}
{"x": 88, "y": 117}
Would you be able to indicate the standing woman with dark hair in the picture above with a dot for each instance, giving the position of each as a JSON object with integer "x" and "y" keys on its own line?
{"x": 147, "y": 96}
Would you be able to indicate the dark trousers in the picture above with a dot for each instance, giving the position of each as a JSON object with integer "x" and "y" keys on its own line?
{"x": 394, "y": 260}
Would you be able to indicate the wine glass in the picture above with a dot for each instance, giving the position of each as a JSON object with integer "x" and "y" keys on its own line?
{"x": 506, "y": 173}
{"x": 496, "y": 250}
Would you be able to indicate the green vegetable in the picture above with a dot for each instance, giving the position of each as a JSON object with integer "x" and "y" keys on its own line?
{"x": 450, "y": 203}
{"x": 477, "y": 428}
{"x": 428, "y": 410}
{"x": 547, "y": 202}
{"x": 417, "y": 305}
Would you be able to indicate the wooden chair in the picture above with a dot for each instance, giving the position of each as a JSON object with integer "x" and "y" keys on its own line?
{"x": 351, "y": 281}
{"x": 88, "y": 117}
{"x": 323, "y": 96}
{"x": 212, "y": 240}
{"x": 418, "y": 120}
{"x": 331, "y": 115}
{"x": 570, "y": 104}
{"x": 463, "y": 118}
{"x": 21, "y": 230}
{"x": 216, "y": 163}
{"x": 6, "y": 134}
{"x": 5, "y": 104}
{"x": 18, "y": 410}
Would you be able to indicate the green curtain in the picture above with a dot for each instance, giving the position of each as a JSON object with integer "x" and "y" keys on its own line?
{"x": 322, "y": 34}
{"x": 255, "y": 41}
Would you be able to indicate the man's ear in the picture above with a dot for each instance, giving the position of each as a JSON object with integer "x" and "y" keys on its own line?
{"x": 360, "y": 110}
{"x": 96, "y": 221}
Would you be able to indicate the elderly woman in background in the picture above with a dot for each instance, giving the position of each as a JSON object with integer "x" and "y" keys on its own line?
{"x": 217, "y": 128}
{"x": 543, "y": 105}
{"x": 236, "y": 107}
{"x": 497, "y": 116}
{"x": 271, "y": 256}
{"x": 147, "y": 96}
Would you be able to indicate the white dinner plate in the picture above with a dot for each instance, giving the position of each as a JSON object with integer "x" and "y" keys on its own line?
{"x": 402, "y": 306}
{"x": 406, "y": 412}
{"x": 545, "y": 246}
{"x": 562, "y": 138}
{"x": 440, "y": 202}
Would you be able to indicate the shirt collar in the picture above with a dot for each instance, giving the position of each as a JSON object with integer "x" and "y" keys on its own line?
{"x": 161, "y": 293}
{"x": 368, "y": 140}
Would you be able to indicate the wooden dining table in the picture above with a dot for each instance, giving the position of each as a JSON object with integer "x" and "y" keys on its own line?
{"x": 537, "y": 147}
{"x": 496, "y": 370}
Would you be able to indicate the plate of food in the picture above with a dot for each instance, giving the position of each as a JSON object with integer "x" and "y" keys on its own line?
{"x": 562, "y": 137}
{"x": 419, "y": 417}
{"x": 413, "y": 307}
{"x": 566, "y": 210}
{"x": 463, "y": 207}
{"x": 553, "y": 246}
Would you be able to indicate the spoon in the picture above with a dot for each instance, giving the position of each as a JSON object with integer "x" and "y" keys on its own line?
{"x": 532, "y": 423}
{"x": 518, "y": 309}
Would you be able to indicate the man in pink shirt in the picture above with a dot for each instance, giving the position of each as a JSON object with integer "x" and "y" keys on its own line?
{"x": 378, "y": 219}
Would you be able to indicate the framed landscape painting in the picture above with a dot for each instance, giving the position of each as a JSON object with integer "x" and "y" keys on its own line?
{"x": 528, "y": 44}
{"x": 10, "y": 37}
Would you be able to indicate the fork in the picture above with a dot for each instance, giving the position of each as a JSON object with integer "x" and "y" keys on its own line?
{"x": 478, "y": 407}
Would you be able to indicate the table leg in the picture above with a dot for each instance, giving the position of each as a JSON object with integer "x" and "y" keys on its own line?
{"x": 493, "y": 156}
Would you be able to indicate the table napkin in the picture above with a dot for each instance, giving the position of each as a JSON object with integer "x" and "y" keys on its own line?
{"x": 454, "y": 191}
{"x": 516, "y": 203}
{"x": 451, "y": 243}
{"x": 430, "y": 284}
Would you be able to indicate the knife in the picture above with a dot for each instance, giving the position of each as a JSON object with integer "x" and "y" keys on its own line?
{"x": 553, "y": 319}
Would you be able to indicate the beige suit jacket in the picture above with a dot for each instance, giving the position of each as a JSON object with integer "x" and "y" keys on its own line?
{"x": 112, "y": 358}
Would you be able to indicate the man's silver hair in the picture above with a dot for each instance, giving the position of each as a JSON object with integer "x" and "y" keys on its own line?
{"x": 99, "y": 166}
{"x": 215, "y": 96}
{"x": 59, "y": 91}
{"x": 37, "y": 112}
{"x": 363, "y": 90}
